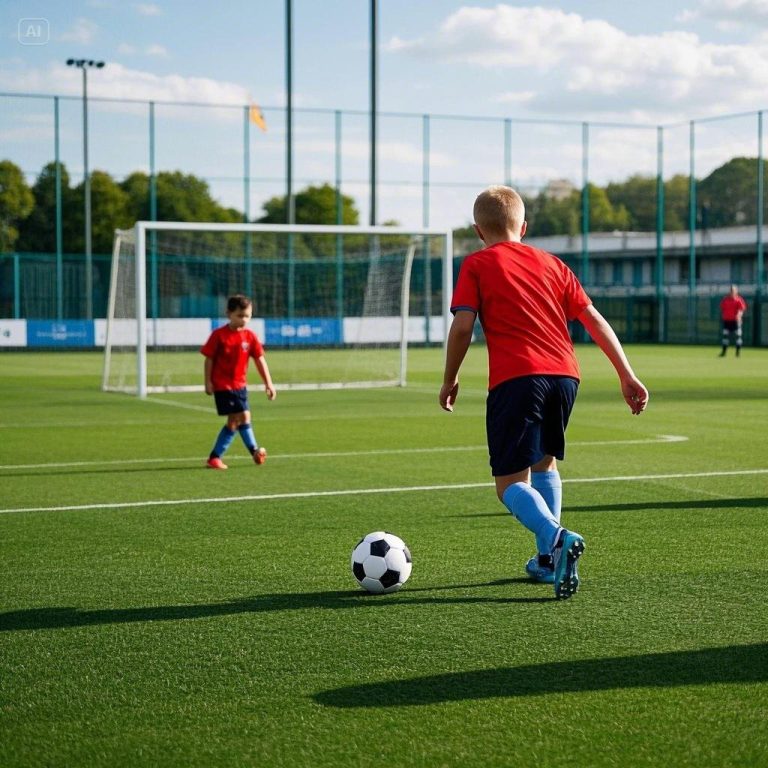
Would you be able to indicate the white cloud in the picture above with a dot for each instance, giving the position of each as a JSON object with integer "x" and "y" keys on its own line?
{"x": 82, "y": 31}
{"x": 743, "y": 11}
{"x": 156, "y": 50}
{"x": 120, "y": 82}
{"x": 148, "y": 9}
{"x": 577, "y": 65}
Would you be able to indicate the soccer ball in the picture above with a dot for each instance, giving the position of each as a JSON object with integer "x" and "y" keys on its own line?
{"x": 381, "y": 562}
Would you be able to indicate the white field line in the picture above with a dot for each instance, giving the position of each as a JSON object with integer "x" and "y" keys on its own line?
{"x": 365, "y": 492}
{"x": 327, "y": 454}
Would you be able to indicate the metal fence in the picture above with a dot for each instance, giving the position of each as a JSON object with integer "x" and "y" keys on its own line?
{"x": 430, "y": 168}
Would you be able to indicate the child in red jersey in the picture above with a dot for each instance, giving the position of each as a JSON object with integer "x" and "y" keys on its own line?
{"x": 227, "y": 353}
{"x": 732, "y": 309}
{"x": 524, "y": 298}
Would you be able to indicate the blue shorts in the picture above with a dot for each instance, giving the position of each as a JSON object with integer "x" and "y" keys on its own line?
{"x": 231, "y": 401}
{"x": 525, "y": 420}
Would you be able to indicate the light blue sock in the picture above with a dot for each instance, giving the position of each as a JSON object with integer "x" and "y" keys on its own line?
{"x": 550, "y": 486}
{"x": 223, "y": 441}
{"x": 246, "y": 432}
{"x": 528, "y": 506}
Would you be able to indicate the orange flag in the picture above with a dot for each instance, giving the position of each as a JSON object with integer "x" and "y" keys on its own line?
{"x": 255, "y": 116}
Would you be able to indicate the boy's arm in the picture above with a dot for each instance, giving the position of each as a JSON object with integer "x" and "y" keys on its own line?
{"x": 208, "y": 367}
{"x": 459, "y": 339}
{"x": 263, "y": 369}
{"x": 634, "y": 391}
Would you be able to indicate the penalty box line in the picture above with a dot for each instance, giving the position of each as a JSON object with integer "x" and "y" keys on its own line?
{"x": 367, "y": 492}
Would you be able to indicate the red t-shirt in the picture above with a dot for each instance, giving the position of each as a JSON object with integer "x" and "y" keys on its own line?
{"x": 230, "y": 351}
{"x": 524, "y": 298}
{"x": 730, "y": 307}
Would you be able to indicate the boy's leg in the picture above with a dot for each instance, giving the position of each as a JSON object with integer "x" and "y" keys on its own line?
{"x": 738, "y": 339}
{"x": 223, "y": 441}
{"x": 725, "y": 340}
{"x": 527, "y": 505}
{"x": 241, "y": 422}
{"x": 546, "y": 480}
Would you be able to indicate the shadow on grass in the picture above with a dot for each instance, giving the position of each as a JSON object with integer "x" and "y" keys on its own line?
{"x": 746, "y": 503}
{"x": 66, "y": 617}
{"x": 734, "y": 664}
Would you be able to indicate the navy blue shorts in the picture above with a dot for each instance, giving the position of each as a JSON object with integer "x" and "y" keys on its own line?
{"x": 231, "y": 401}
{"x": 525, "y": 420}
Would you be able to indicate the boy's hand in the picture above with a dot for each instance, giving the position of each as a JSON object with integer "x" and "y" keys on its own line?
{"x": 271, "y": 391}
{"x": 448, "y": 395}
{"x": 635, "y": 395}
{"x": 208, "y": 388}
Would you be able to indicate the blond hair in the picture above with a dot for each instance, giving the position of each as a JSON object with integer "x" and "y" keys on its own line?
{"x": 499, "y": 209}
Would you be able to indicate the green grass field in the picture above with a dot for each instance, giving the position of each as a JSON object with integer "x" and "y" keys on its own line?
{"x": 153, "y": 612}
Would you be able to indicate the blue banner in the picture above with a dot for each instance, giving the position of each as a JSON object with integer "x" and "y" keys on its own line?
{"x": 60, "y": 333}
{"x": 298, "y": 331}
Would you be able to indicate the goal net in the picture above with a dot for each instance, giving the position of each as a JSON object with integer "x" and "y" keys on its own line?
{"x": 332, "y": 304}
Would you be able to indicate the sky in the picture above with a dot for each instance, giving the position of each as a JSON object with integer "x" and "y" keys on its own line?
{"x": 545, "y": 67}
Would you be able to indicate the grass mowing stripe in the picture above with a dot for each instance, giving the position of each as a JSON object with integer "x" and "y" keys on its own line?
{"x": 331, "y": 454}
{"x": 367, "y": 491}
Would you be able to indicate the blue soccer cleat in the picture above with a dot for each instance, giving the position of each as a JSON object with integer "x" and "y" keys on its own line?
{"x": 542, "y": 572}
{"x": 566, "y": 556}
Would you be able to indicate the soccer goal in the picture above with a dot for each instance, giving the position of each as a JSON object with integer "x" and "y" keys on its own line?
{"x": 336, "y": 306}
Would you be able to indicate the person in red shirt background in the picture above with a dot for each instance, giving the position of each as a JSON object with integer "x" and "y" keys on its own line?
{"x": 732, "y": 309}
{"x": 227, "y": 353}
{"x": 524, "y": 298}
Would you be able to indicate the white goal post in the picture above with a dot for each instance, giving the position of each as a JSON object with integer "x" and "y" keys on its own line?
{"x": 332, "y": 303}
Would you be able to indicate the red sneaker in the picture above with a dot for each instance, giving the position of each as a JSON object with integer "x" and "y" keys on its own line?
{"x": 260, "y": 455}
{"x": 215, "y": 463}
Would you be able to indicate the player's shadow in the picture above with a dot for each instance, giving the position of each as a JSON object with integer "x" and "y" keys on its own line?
{"x": 67, "y": 617}
{"x": 733, "y": 664}
{"x": 750, "y": 502}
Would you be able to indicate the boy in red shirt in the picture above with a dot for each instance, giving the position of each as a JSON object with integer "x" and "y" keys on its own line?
{"x": 227, "y": 353}
{"x": 732, "y": 308}
{"x": 524, "y": 298}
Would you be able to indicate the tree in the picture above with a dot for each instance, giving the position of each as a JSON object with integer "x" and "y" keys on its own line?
{"x": 16, "y": 204}
{"x": 109, "y": 211}
{"x": 729, "y": 193}
{"x": 38, "y": 232}
{"x": 676, "y": 197}
{"x": 313, "y": 205}
{"x": 551, "y": 216}
{"x": 180, "y": 197}
{"x": 638, "y": 196}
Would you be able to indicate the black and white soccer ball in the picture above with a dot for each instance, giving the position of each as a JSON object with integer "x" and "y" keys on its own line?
{"x": 381, "y": 562}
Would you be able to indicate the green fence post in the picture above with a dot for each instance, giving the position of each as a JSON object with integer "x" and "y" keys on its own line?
{"x": 154, "y": 288}
{"x": 660, "y": 313}
{"x": 425, "y": 223}
{"x": 339, "y": 220}
{"x": 59, "y": 223}
{"x": 247, "y": 199}
{"x": 758, "y": 326}
{"x": 692, "y": 336}
{"x": 16, "y": 287}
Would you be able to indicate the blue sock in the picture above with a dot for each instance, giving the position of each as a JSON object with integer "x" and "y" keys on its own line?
{"x": 528, "y": 506}
{"x": 223, "y": 441}
{"x": 549, "y": 485}
{"x": 246, "y": 432}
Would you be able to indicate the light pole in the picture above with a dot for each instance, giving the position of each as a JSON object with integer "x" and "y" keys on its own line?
{"x": 85, "y": 65}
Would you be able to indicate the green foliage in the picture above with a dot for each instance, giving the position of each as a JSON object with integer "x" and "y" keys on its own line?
{"x": 728, "y": 196}
{"x": 313, "y": 205}
{"x": 16, "y": 203}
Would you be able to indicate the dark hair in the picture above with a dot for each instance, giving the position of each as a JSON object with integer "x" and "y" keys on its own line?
{"x": 238, "y": 301}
